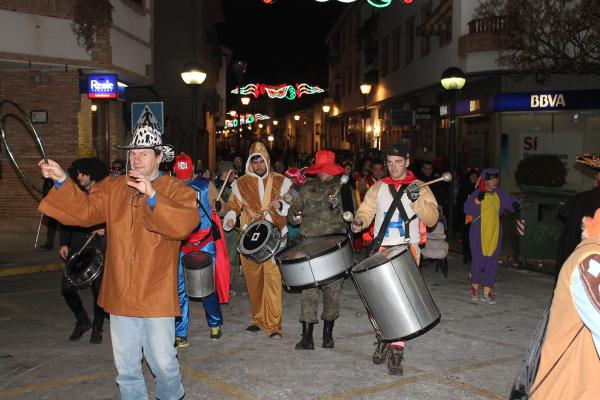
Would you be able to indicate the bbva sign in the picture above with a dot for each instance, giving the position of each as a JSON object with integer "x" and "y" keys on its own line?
{"x": 547, "y": 100}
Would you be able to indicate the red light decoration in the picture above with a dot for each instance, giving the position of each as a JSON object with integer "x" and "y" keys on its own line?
{"x": 269, "y": 1}
{"x": 283, "y": 91}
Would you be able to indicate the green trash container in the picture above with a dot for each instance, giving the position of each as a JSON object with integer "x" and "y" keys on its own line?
{"x": 539, "y": 209}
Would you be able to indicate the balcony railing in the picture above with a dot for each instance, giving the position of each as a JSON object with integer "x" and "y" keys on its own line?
{"x": 50, "y": 8}
{"x": 490, "y": 24}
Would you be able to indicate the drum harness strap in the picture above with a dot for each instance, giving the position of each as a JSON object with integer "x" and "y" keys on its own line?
{"x": 396, "y": 203}
{"x": 214, "y": 229}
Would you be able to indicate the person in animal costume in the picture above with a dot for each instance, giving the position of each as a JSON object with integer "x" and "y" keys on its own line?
{"x": 485, "y": 206}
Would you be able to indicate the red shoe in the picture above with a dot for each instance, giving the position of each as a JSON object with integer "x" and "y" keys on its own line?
{"x": 474, "y": 296}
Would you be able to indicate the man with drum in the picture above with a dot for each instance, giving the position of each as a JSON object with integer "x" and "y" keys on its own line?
{"x": 399, "y": 228}
{"x": 319, "y": 212}
{"x": 147, "y": 214}
{"x": 202, "y": 239}
{"x": 258, "y": 195}
{"x": 86, "y": 172}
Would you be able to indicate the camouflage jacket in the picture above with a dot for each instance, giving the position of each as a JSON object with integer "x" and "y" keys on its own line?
{"x": 318, "y": 217}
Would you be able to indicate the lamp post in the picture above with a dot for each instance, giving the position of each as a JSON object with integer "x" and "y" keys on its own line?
{"x": 365, "y": 89}
{"x": 452, "y": 80}
{"x": 325, "y": 132}
{"x": 297, "y": 119}
{"x": 193, "y": 75}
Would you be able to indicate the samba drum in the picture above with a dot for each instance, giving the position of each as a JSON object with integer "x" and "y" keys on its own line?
{"x": 260, "y": 241}
{"x": 198, "y": 274}
{"x": 316, "y": 261}
{"x": 83, "y": 267}
{"x": 395, "y": 294}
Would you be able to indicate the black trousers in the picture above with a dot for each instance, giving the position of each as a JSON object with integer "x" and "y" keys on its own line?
{"x": 73, "y": 300}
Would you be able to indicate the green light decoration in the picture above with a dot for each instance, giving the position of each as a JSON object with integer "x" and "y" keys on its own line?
{"x": 244, "y": 119}
{"x": 283, "y": 91}
{"x": 374, "y": 3}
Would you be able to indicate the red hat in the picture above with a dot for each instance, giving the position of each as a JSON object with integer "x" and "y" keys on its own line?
{"x": 183, "y": 167}
{"x": 325, "y": 162}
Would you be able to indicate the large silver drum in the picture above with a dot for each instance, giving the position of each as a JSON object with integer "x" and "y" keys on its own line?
{"x": 198, "y": 274}
{"x": 395, "y": 294}
{"x": 316, "y": 261}
{"x": 260, "y": 241}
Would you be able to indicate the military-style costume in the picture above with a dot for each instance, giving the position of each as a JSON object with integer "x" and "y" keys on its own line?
{"x": 321, "y": 216}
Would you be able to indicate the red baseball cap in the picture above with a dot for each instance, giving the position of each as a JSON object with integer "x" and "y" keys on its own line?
{"x": 183, "y": 167}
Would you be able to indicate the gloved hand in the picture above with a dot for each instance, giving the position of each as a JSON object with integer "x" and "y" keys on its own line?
{"x": 412, "y": 191}
{"x": 356, "y": 225}
{"x": 481, "y": 196}
{"x": 516, "y": 206}
{"x": 333, "y": 202}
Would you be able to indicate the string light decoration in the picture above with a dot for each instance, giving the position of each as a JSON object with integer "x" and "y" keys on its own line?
{"x": 374, "y": 3}
{"x": 243, "y": 119}
{"x": 283, "y": 91}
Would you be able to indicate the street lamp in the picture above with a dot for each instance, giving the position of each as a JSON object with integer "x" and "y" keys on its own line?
{"x": 452, "y": 80}
{"x": 365, "y": 89}
{"x": 325, "y": 134}
{"x": 193, "y": 75}
{"x": 297, "y": 119}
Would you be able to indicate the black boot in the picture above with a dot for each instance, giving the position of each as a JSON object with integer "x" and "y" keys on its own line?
{"x": 328, "y": 334}
{"x": 80, "y": 328}
{"x": 307, "y": 342}
{"x": 96, "y": 337}
{"x": 381, "y": 352}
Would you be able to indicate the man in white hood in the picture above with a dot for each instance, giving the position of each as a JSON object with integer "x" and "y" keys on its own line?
{"x": 257, "y": 195}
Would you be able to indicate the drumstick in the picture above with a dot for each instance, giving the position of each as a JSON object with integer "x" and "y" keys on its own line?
{"x": 446, "y": 177}
{"x": 38, "y": 231}
{"x": 224, "y": 184}
{"x": 86, "y": 243}
{"x": 343, "y": 180}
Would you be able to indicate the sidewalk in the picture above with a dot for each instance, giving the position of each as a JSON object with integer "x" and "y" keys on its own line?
{"x": 19, "y": 256}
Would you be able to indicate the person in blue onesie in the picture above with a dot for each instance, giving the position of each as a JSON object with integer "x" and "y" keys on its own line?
{"x": 201, "y": 239}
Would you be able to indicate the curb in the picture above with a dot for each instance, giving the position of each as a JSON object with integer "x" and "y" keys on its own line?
{"x": 30, "y": 269}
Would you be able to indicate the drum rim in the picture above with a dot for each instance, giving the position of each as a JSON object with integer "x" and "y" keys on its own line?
{"x": 198, "y": 251}
{"x": 380, "y": 265}
{"x": 417, "y": 333}
{"x": 271, "y": 226}
{"x": 342, "y": 275}
{"x": 92, "y": 277}
{"x": 317, "y": 255}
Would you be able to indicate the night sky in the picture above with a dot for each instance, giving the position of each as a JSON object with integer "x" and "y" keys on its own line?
{"x": 282, "y": 42}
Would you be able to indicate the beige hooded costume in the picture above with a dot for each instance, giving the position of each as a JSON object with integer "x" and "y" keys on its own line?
{"x": 250, "y": 199}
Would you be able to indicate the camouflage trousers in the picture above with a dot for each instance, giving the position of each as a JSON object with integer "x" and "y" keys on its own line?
{"x": 331, "y": 302}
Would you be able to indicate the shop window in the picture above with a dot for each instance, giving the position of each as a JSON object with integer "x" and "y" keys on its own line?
{"x": 410, "y": 39}
{"x": 396, "y": 40}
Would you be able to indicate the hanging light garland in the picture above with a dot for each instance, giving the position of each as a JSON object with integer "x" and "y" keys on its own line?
{"x": 243, "y": 119}
{"x": 374, "y": 3}
{"x": 283, "y": 91}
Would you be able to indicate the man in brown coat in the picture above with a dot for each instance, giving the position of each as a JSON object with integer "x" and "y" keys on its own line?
{"x": 147, "y": 214}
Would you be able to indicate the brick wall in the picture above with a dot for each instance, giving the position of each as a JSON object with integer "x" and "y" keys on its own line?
{"x": 57, "y": 93}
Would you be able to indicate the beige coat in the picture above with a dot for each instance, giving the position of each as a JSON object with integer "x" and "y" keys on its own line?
{"x": 577, "y": 374}
{"x": 140, "y": 270}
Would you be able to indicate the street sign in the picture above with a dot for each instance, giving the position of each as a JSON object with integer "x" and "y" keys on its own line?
{"x": 102, "y": 86}
{"x": 151, "y": 114}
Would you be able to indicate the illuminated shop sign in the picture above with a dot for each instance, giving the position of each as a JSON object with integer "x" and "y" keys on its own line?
{"x": 102, "y": 86}
{"x": 553, "y": 100}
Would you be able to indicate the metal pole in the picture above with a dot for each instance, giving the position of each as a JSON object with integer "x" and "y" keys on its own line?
{"x": 194, "y": 125}
{"x": 452, "y": 148}
{"x": 364, "y": 122}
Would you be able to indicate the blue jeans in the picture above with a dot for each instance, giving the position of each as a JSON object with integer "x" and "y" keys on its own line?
{"x": 134, "y": 338}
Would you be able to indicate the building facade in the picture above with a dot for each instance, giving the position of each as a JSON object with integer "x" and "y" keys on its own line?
{"x": 501, "y": 115}
{"x": 44, "y": 69}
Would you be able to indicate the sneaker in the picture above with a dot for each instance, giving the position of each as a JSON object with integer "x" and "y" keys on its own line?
{"x": 181, "y": 342}
{"x": 216, "y": 333}
{"x": 381, "y": 353}
{"x": 253, "y": 328}
{"x": 489, "y": 298}
{"x": 394, "y": 362}
{"x": 276, "y": 335}
{"x": 474, "y": 293}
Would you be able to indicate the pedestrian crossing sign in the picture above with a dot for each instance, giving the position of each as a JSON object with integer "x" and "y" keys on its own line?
{"x": 151, "y": 114}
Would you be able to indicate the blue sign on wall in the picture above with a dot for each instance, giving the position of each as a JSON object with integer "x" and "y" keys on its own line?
{"x": 150, "y": 114}
{"x": 102, "y": 86}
